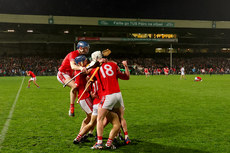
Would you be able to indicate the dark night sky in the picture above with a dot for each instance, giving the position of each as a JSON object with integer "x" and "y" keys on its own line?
{"x": 150, "y": 9}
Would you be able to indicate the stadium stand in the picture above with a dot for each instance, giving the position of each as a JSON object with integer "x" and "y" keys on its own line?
{"x": 14, "y": 66}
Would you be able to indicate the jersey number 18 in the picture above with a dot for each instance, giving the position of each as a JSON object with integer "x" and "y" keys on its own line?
{"x": 108, "y": 70}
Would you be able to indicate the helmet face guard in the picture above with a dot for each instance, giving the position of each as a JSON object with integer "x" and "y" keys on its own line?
{"x": 83, "y": 47}
{"x": 96, "y": 55}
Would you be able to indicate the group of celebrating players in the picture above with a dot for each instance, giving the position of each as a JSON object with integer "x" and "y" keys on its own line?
{"x": 98, "y": 93}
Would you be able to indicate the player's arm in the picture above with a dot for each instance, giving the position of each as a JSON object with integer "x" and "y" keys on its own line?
{"x": 74, "y": 66}
{"x": 126, "y": 68}
{"x": 27, "y": 73}
{"x": 126, "y": 75}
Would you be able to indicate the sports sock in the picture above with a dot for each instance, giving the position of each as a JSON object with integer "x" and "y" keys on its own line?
{"x": 109, "y": 142}
{"x": 126, "y": 134}
{"x": 72, "y": 108}
{"x": 79, "y": 137}
{"x": 99, "y": 139}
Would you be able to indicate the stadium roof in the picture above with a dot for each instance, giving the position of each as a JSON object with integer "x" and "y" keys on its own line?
{"x": 147, "y": 9}
{"x": 16, "y": 28}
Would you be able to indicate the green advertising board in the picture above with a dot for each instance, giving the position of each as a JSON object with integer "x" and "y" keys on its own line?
{"x": 135, "y": 23}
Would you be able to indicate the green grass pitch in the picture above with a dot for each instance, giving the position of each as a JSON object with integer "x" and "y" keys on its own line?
{"x": 164, "y": 114}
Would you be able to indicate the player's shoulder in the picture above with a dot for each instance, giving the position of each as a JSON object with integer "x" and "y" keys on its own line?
{"x": 73, "y": 52}
{"x": 112, "y": 63}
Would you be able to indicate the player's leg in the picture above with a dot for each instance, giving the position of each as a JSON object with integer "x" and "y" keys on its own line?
{"x": 35, "y": 83}
{"x": 90, "y": 133}
{"x": 29, "y": 83}
{"x": 114, "y": 119}
{"x": 86, "y": 105}
{"x": 122, "y": 119}
{"x": 86, "y": 120}
{"x": 120, "y": 112}
{"x": 184, "y": 77}
{"x": 102, "y": 112}
{"x": 103, "y": 109}
{"x": 64, "y": 78}
{"x": 73, "y": 92}
{"x": 86, "y": 129}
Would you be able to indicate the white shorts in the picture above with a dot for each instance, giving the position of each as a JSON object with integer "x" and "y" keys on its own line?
{"x": 111, "y": 101}
{"x": 32, "y": 79}
{"x": 62, "y": 77}
{"x": 182, "y": 73}
{"x": 95, "y": 108}
{"x": 86, "y": 105}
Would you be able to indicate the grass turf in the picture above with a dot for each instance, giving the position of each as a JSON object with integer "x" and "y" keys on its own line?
{"x": 164, "y": 114}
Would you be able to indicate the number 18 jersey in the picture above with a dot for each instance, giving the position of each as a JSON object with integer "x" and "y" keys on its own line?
{"x": 107, "y": 76}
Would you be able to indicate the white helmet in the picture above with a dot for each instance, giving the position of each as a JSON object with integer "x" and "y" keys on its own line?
{"x": 96, "y": 55}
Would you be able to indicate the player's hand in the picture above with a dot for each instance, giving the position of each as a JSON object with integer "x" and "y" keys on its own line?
{"x": 83, "y": 70}
{"x": 93, "y": 95}
{"x": 124, "y": 63}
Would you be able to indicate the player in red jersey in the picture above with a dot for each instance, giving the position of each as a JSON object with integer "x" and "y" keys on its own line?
{"x": 108, "y": 79}
{"x": 159, "y": 71}
{"x": 85, "y": 100}
{"x": 198, "y": 79}
{"x": 210, "y": 71}
{"x": 146, "y": 72}
{"x": 111, "y": 116}
{"x": 166, "y": 71}
{"x": 66, "y": 69}
{"x": 93, "y": 121}
{"x": 33, "y": 78}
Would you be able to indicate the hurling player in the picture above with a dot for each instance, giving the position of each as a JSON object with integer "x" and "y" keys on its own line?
{"x": 67, "y": 67}
{"x": 85, "y": 100}
{"x": 33, "y": 78}
{"x": 107, "y": 77}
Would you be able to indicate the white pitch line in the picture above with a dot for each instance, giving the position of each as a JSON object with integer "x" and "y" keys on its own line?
{"x": 7, "y": 123}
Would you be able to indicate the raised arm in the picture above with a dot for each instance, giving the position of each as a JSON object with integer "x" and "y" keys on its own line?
{"x": 126, "y": 75}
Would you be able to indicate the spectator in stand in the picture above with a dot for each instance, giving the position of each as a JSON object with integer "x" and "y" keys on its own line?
{"x": 194, "y": 70}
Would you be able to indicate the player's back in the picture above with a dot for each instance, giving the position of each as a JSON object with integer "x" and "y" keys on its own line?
{"x": 108, "y": 78}
{"x": 32, "y": 74}
{"x": 65, "y": 66}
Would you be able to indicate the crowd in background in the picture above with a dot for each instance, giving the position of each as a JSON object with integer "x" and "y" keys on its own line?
{"x": 193, "y": 65}
{"x": 15, "y": 66}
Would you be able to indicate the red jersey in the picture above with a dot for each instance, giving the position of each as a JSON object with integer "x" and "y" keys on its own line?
{"x": 94, "y": 89}
{"x": 95, "y": 86}
{"x": 158, "y": 70}
{"x": 146, "y": 70}
{"x": 166, "y": 70}
{"x": 210, "y": 70}
{"x": 32, "y": 74}
{"x": 107, "y": 77}
{"x": 65, "y": 66}
{"x": 81, "y": 82}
